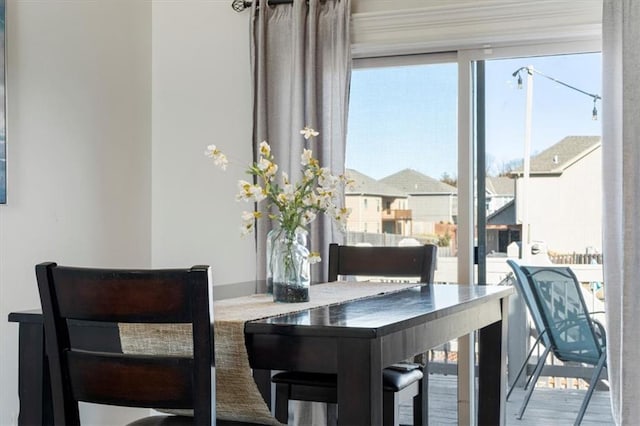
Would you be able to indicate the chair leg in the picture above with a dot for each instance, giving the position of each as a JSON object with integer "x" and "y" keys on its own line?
{"x": 534, "y": 378}
{"x": 592, "y": 385}
{"x": 332, "y": 414}
{"x": 522, "y": 368}
{"x": 282, "y": 403}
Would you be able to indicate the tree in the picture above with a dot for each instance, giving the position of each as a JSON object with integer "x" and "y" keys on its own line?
{"x": 449, "y": 180}
{"x": 509, "y": 166}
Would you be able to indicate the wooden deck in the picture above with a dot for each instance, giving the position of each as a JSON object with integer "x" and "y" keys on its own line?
{"x": 546, "y": 407}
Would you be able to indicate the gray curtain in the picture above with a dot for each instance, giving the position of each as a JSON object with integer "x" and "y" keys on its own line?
{"x": 301, "y": 60}
{"x": 621, "y": 175}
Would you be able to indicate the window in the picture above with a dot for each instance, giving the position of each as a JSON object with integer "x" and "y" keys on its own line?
{"x": 543, "y": 208}
{"x": 403, "y": 137}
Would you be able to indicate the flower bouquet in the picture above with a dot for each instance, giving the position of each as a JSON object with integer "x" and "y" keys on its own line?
{"x": 293, "y": 206}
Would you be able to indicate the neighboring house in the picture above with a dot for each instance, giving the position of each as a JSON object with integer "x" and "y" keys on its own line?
{"x": 499, "y": 191}
{"x": 564, "y": 195}
{"x": 502, "y": 229}
{"x": 431, "y": 200}
{"x": 376, "y": 207}
{"x": 501, "y": 219}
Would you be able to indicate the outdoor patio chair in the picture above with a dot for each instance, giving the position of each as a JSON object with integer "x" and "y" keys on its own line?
{"x": 542, "y": 338}
{"x": 565, "y": 327}
{"x": 399, "y": 381}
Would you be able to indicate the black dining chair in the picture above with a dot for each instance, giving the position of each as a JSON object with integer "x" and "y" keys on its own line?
{"x": 71, "y": 295}
{"x": 400, "y": 381}
{"x": 565, "y": 326}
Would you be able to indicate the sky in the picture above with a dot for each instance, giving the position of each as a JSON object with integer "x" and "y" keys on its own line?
{"x": 406, "y": 117}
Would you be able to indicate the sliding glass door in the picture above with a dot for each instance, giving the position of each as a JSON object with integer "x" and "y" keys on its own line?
{"x": 402, "y": 150}
{"x": 541, "y": 198}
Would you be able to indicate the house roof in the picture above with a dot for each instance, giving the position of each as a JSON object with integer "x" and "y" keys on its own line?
{"x": 505, "y": 215}
{"x": 415, "y": 183}
{"x": 500, "y": 185}
{"x": 364, "y": 184}
{"x": 557, "y": 158}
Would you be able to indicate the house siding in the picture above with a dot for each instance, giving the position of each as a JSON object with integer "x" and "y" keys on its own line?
{"x": 428, "y": 210}
{"x": 565, "y": 211}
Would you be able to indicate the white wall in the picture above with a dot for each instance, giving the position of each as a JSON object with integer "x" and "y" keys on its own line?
{"x": 79, "y": 145}
{"x": 90, "y": 85}
{"x": 201, "y": 96}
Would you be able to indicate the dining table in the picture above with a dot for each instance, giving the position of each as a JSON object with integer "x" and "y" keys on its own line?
{"x": 353, "y": 330}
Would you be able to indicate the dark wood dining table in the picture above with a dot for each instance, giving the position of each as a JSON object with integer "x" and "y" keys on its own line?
{"x": 357, "y": 339}
{"x": 354, "y": 339}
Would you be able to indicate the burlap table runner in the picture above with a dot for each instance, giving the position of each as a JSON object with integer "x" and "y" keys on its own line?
{"x": 237, "y": 395}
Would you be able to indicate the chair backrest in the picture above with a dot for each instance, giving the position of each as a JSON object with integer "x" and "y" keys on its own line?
{"x": 563, "y": 310}
{"x": 412, "y": 261}
{"x": 180, "y": 296}
{"x": 522, "y": 286}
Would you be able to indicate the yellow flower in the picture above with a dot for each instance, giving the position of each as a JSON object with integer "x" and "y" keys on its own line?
{"x": 314, "y": 257}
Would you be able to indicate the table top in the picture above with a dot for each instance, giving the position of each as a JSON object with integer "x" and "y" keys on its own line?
{"x": 371, "y": 313}
{"x": 380, "y": 315}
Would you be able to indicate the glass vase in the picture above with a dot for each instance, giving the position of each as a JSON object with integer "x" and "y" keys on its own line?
{"x": 290, "y": 267}
{"x": 271, "y": 236}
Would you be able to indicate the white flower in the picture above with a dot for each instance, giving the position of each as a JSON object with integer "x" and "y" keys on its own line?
{"x": 307, "y": 217}
{"x": 285, "y": 197}
{"x": 307, "y": 157}
{"x": 309, "y": 174}
{"x": 269, "y": 168}
{"x": 310, "y": 199}
{"x": 285, "y": 179}
{"x": 348, "y": 182}
{"x": 341, "y": 216}
{"x": 219, "y": 159}
{"x": 265, "y": 149}
{"x": 328, "y": 181}
{"x": 246, "y": 229}
{"x": 308, "y": 132}
{"x": 249, "y": 192}
{"x": 250, "y": 216}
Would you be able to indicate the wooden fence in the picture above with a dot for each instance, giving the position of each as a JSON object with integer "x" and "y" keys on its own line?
{"x": 576, "y": 258}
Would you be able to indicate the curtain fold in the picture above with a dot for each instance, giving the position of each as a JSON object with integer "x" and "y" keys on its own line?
{"x": 301, "y": 62}
{"x": 621, "y": 187}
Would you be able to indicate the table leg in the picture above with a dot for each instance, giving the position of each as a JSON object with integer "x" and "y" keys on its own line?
{"x": 34, "y": 388}
{"x": 492, "y": 355}
{"x": 359, "y": 382}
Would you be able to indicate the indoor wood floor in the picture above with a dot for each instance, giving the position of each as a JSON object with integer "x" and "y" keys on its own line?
{"x": 547, "y": 407}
